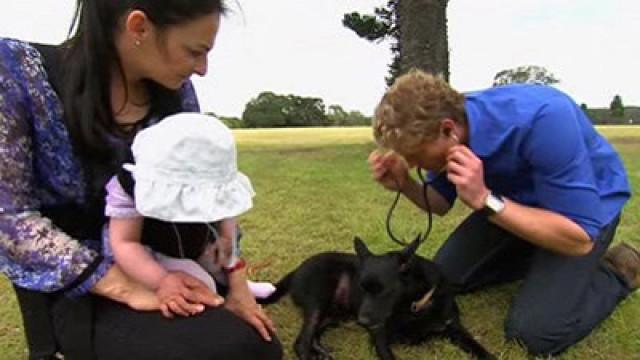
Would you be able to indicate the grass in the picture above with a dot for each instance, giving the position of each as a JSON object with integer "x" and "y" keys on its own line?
{"x": 315, "y": 194}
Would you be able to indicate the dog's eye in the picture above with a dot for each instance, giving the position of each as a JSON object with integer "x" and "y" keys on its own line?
{"x": 372, "y": 287}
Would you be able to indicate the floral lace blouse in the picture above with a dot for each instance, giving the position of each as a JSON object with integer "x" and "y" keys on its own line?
{"x": 38, "y": 169}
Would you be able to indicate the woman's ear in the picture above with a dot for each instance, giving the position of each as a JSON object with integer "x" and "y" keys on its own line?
{"x": 138, "y": 26}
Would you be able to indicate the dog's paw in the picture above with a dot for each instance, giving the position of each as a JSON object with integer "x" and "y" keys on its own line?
{"x": 320, "y": 351}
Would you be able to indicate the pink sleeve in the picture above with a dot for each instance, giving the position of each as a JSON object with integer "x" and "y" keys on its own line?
{"x": 119, "y": 203}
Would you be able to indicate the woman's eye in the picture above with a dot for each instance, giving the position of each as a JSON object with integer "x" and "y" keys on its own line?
{"x": 195, "y": 53}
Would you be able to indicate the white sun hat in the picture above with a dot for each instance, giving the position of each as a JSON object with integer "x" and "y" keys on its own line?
{"x": 185, "y": 171}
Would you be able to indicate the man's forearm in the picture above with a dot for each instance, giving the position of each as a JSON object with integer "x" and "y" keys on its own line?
{"x": 544, "y": 228}
{"x": 414, "y": 192}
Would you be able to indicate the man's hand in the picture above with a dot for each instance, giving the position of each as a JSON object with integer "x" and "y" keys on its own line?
{"x": 466, "y": 172}
{"x": 389, "y": 169}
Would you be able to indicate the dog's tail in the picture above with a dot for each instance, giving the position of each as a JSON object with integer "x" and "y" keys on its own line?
{"x": 282, "y": 289}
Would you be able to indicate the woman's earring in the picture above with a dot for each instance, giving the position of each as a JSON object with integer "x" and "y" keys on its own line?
{"x": 137, "y": 43}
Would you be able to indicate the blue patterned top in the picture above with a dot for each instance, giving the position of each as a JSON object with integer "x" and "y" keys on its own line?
{"x": 38, "y": 169}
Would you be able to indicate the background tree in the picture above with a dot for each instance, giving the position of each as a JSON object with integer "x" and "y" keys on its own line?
{"x": 273, "y": 110}
{"x": 356, "y": 118}
{"x": 417, "y": 30}
{"x": 616, "y": 107}
{"x": 267, "y": 110}
{"x": 528, "y": 74}
{"x": 336, "y": 115}
{"x": 231, "y": 121}
{"x": 305, "y": 111}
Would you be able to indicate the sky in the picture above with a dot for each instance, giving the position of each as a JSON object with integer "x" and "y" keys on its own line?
{"x": 300, "y": 47}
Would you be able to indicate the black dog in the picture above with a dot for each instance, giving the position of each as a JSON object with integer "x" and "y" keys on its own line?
{"x": 399, "y": 297}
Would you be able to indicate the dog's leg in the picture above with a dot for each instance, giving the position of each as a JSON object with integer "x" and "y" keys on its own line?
{"x": 303, "y": 345}
{"x": 458, "y": 335}
{"x": 381, "y": 343}
{"x": 322, "y": 350}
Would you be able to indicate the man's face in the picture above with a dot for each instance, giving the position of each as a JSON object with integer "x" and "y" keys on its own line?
{"x": 430, "y": 155}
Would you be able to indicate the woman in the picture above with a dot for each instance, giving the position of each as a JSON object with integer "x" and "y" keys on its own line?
{"x": 67, "y": 114}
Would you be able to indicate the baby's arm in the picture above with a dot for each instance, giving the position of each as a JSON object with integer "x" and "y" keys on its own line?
{"x": 125, "y": 232}
{"x": 230, "y": 251}
{"x": 131, "y": 255}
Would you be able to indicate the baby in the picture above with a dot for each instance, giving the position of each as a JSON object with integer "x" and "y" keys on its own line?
{"x": 174, "y": 210}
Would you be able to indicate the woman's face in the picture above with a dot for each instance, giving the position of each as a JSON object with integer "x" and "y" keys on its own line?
{"x": 170, "y": 56}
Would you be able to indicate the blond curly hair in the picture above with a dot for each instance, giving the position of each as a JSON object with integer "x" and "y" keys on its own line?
{"x": 411, "y": 109}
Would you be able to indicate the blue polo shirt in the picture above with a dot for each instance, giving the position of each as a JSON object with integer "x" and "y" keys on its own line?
{"x": 539, "y": 149}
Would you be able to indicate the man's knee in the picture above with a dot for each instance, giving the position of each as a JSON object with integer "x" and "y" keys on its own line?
{"x": 539, "y": 336}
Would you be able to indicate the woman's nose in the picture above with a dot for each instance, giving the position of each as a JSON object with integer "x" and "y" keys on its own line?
{"x": 201, "y": 66}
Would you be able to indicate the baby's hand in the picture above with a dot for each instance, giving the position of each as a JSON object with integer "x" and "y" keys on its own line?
{"x": 171, "y": 294}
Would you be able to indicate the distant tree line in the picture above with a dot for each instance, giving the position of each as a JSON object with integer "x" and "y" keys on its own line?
{"x": 617, "y": 113}
{"x": 270, "y": 110}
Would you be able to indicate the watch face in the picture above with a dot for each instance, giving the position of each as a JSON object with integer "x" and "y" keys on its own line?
{"x": 494, "y": 203}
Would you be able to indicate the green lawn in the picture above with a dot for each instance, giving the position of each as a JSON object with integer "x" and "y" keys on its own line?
{"x": 315, "y": 194}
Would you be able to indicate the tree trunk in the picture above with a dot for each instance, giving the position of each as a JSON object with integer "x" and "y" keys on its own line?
{"x": 423, "y": 36}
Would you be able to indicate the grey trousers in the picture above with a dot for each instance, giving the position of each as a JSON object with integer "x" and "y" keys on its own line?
{"x": 561, "y": 298}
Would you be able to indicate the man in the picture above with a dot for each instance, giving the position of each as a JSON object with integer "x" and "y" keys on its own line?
{"x": 546, "y": 192}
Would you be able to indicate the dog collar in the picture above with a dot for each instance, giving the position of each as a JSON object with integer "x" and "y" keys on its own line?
{"x": 422, "y": 303}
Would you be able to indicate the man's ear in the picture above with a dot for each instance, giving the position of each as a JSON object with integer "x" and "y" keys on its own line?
{"x": 361, "y": 248}
{"x": 447, "y": 127}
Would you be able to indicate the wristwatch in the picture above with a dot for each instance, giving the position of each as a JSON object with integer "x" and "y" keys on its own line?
{"x": 493, "y": 204}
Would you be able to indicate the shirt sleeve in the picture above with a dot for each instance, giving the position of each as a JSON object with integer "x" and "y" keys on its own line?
{"x": 34, "y": 253}
{"x": 562, "y": 171}
{"x": 442, "y": 185}
{"x": 119, "y": 204}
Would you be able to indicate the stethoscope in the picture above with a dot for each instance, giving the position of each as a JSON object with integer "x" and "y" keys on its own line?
{"x": 421, "y": 237}
{"x": 425, "y": 184}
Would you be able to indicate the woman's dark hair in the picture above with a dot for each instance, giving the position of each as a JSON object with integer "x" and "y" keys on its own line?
{"x": 90, "y": 55}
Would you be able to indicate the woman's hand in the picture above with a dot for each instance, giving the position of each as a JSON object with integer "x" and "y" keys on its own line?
{"x": 241, "y": 302}
{"x": 466, "y": 171}
{"x": 182, "y": 294}
{"x": 117, "y": 286}
{"x": 389, "y": 169}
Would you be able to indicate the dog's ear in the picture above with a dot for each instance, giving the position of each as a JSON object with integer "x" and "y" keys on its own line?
{"x": 360, "y": 247}
{"x": 407, "y": 253}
